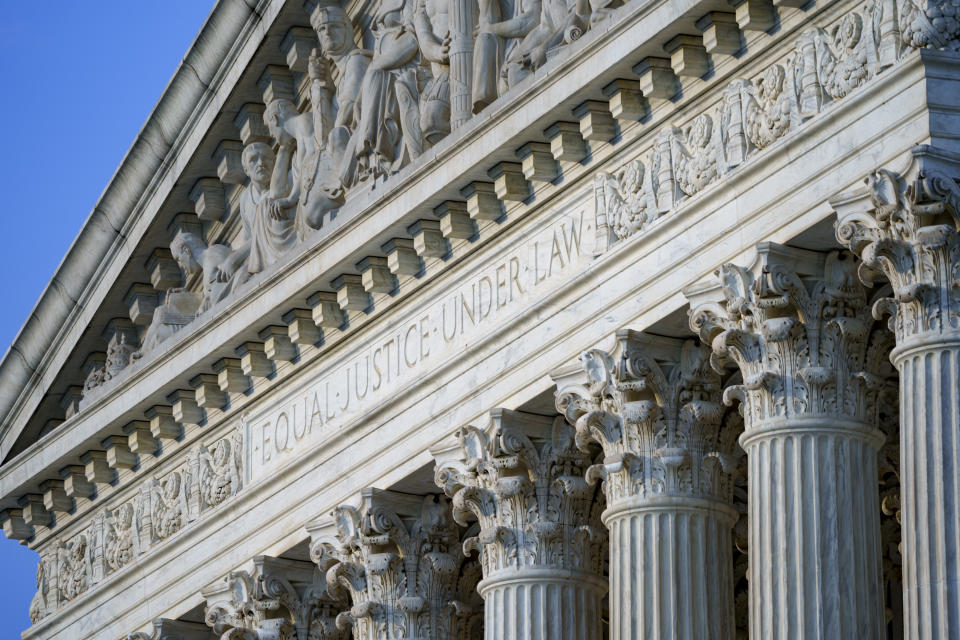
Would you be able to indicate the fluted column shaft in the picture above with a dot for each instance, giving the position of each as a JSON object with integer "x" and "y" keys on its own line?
{"x": 905, "y": 228}
{"x": 930, "y": 484}
{"x": 815, "y": 559}
{"x": 542, "y": 604}
{"x": 539, "y": 538}
{"x": 797, "y": 324}
{"x": 671, "y": 570}
{"x": 655, "y": 409}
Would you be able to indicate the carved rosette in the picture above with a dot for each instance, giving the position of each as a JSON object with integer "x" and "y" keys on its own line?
{"x": 538, "y": 524}
{"x": 399, "y": 560}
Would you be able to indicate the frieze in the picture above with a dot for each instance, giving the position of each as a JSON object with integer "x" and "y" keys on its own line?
{"x": 824, "y": 66}
{"x": 459, "y": 317}
{"x": 118, "y": 534}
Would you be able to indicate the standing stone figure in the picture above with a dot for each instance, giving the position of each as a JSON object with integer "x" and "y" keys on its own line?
{"x": 432, "y": 22}
{"x": 388, "y": 131}
{"x": 335, "y": 115}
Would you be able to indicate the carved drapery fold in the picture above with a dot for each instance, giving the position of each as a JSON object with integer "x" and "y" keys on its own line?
{"x": 904, "y": 226}
{"x": 798, "y": 327}
{"x": 655, "y": 409}
{"x": 540, "y": 542}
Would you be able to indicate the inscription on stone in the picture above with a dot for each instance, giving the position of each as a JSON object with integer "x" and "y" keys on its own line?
{"x": 419, "y": 343}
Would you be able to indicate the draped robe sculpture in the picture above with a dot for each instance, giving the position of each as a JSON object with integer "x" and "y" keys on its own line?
{"x": 334, "y": 109}
{"x": 388, "y": 131}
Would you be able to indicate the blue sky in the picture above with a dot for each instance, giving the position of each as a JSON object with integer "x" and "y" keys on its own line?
{"x": 78, "y": 81}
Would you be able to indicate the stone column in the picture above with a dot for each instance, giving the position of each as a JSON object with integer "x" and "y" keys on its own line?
{"x": 462, "y": 22}
{"x": 655, "y": 410}
{"x": 798, "y": 327}
{"x": 399, "y": 558}
{"x": 904, "y": 227}
{"x": 539, "y": 540}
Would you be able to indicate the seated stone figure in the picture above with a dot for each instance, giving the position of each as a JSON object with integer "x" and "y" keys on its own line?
{"x": 267, "y": 220}
{"x": 181, "y": 306}
{"x": 315, "y": 188}
{"x": 539, "y": 27}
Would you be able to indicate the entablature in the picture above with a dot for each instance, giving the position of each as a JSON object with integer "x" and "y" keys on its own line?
{"x": 356, "y": 276}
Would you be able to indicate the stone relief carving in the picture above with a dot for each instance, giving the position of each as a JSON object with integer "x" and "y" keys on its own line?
{"x": 117, "y": 535}
{"x": 41, "y": 602}
{"x": 74, "y": 568}
{"x": 121, "y": 536}
{"x": 529, "y": 496}
{"x": 406, "y": 575}
{"x": 220, "y": 470}
{"x": 280, "y": 600}
{"x": 826, "y": 65}
{"x": 659, "y": 421}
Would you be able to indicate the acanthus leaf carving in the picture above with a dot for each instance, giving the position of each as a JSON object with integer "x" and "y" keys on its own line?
{"x": 798, "y": 333}
{"x": 905, "y": 228}
{"x": 405, "y": 574}
{"x": 528, "y": 495}
{"x": 655, "y": 410}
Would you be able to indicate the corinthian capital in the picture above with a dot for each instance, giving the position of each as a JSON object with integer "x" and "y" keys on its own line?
{"x": 278, "y": 600}
{"x": 522, "y": 479}
{"x": 797, "y": 325}
{"x": 398, "y": 557}
{"x": 904, "y": 226}
{"x": 654, "y": 406}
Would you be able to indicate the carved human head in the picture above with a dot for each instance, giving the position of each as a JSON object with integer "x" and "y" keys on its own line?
{"x": 333, "y": 29}
{"x": 276, "y": 115}
{"x": 184, "y": 250}
{"x": 258, "y": 160}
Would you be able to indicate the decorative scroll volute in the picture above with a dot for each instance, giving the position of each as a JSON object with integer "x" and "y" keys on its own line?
{"x": 798, "y": 327}
{"x": 904, "y": 226}
{"x": 655, "y": 409}
{"x": 280, "y": 600}
{"x": 525, "y": 486}
{"x": 399, "y": 560}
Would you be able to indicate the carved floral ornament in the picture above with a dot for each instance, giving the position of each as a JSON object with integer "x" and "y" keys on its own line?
{"x": 407, "y": 576}
{"x": 800, "y": 334}
{"x": 279, "y": 600}
{"x": 904, "y": 226}
{"x": 656, "y": 412}
{"x": 525, "y": 485}
{"x": 117, "y": 535}
{"x": 825, "y": 66}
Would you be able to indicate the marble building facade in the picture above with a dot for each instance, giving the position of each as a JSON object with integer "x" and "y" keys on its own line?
{"x": 513, "y": 320}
